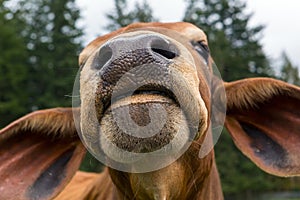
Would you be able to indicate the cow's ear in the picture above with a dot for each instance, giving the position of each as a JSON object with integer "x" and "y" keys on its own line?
{"x": 39, "y": 154}
{"x": 263, "y": 118}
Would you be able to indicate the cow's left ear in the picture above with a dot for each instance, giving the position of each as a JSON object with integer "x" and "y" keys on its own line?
{"x": 39, "y": 154}
{"x": 263, "y": 118}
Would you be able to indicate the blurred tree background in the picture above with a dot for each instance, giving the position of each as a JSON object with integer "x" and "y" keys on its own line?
{"x": 13, "y": 94}
{"x": 40, "y": 42}
{"x": 234, "y": 45}
{"x": 122, "y": 16}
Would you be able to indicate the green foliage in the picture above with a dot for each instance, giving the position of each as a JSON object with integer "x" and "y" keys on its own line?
{"x": 289, "y": 72}
{"x": 121, "y": 16}
{"x": 234, "y": 45}
{"x": 53, "y": 44}
{"x": 91, "y": 164}
{"x": 13, "y": 99}
{"x": 39, "y": 61}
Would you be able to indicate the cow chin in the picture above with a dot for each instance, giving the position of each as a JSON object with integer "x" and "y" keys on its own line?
{"x": 144, "y": 123}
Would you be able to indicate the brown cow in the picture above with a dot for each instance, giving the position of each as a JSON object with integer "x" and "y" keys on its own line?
{"x": 40, "y": 153}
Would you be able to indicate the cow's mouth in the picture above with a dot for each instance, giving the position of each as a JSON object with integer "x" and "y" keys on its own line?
{"x": 144, "y": 91}
{"x": 143, "y": 121}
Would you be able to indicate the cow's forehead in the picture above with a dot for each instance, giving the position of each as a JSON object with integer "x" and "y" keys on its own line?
{"x": 171, "y": 29}
{"x": 188, "y": 30}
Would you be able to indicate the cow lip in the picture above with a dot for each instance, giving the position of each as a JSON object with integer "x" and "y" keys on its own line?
{"x": 145, "y": 90}
{"x": 144, "y": 96}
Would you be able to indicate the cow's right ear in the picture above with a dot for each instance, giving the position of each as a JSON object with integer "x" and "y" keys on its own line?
{"x": 263, "y": 118}
{"x": 39, "y": 154}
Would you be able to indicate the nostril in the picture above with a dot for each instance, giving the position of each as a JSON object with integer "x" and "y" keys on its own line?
{"x": 164, "y": 48}
{"x": 103, "y": 57}
{"x": 165, "y": 53}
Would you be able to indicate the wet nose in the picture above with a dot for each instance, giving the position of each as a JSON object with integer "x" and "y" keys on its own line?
{"x": 137, "y": 49}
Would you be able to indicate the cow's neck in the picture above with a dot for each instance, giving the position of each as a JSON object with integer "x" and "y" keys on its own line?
{"x": 187, "y": 178}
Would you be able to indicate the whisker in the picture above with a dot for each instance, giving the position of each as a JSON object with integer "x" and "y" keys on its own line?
{"x": 72, "y": 96}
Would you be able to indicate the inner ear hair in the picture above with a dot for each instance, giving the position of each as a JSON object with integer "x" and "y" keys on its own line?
{"x": 56, "y": 123}
{"x": 249, "y": 93}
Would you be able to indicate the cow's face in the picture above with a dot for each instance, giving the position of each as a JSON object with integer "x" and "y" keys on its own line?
{"x": 145, "y": 90}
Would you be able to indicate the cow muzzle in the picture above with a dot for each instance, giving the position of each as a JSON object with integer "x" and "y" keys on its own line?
{"x": 140, "y": 102}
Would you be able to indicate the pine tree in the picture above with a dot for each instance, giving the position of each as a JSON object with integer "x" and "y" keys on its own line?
{"x": 121, "y": 15}
{"x": 53, "y": 43}
{"x": 289, "y": 72}
{"x": 13, "y": 96}
{"x": 234, "y": 45}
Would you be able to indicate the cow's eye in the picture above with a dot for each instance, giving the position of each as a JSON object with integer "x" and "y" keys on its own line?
{"x": 201, "y": 48}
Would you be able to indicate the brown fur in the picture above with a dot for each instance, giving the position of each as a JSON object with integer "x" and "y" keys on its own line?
{"x": 88, "y": 186}
{"x": 55, "y": 122}
{"x": 199, "y": 181}
{"x": 247, "y": 93}
{"x": 30, "y": 145}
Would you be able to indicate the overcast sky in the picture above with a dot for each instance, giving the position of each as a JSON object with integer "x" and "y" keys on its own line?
{"x": 281, "y": 18}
